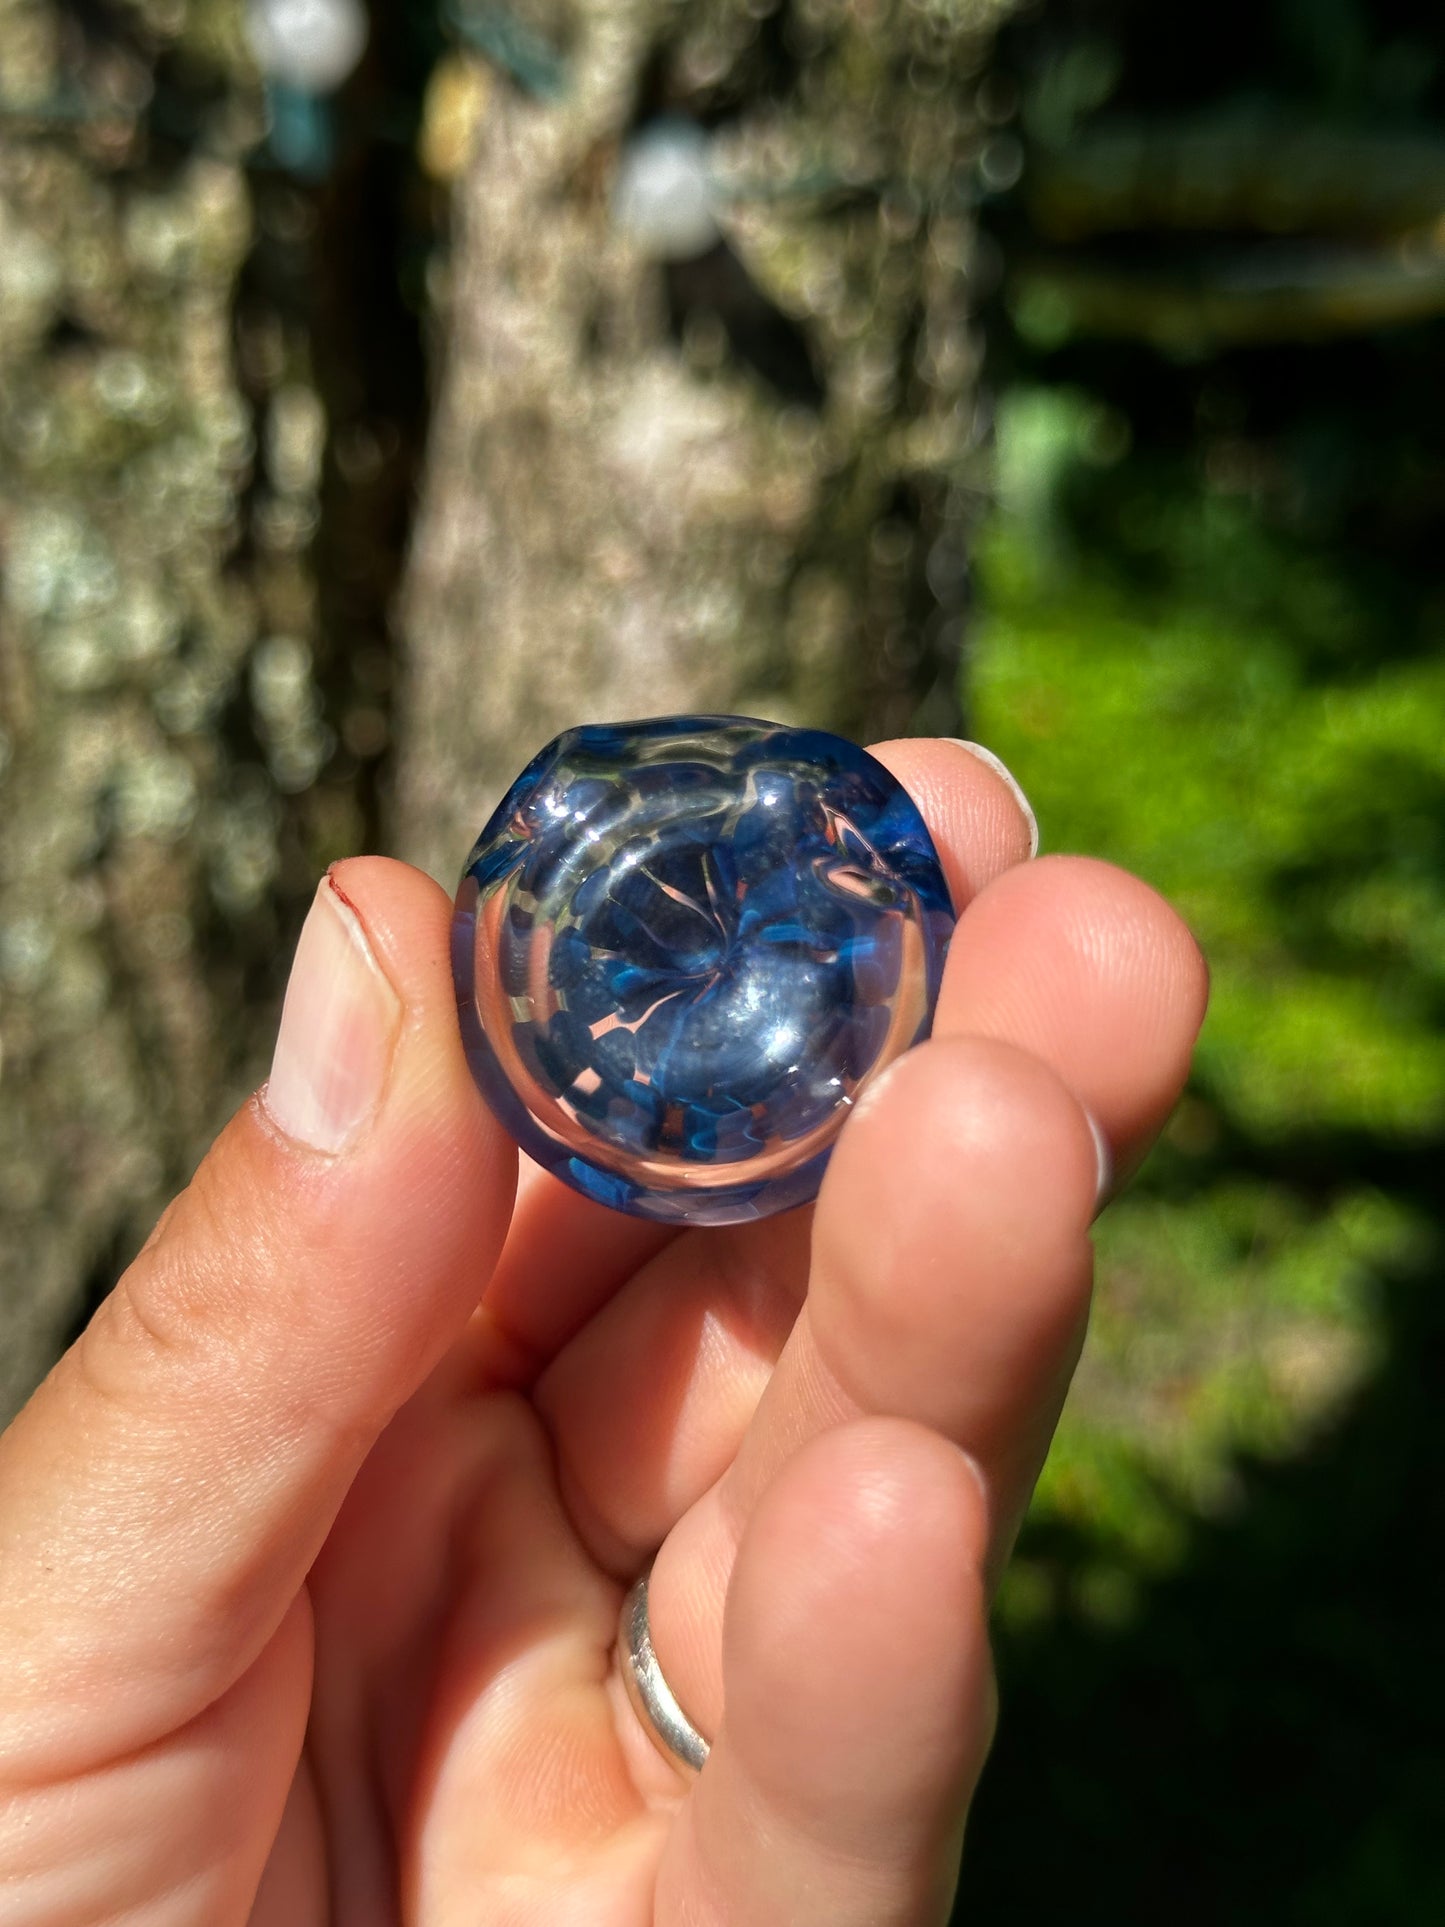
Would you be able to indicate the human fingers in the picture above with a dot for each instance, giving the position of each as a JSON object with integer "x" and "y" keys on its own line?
{"x": 1093, "y": 972}
{"x": 168, "y": 1487}
{"x": 565, "y": 1256}
{"x": 977, "y": 815}
{"x": 545, "y": 1290}
{"x": 694, "y": 1335}
{"x": 949, "y": 1286}
{"x": 859, "y": 1695}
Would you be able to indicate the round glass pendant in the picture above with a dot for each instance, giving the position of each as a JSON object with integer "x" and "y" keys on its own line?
{"x": 683, "y": 947}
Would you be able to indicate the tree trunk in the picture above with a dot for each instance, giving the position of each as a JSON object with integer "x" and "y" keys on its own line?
{"x": 170, "y": 774}
{"x": 123, "y": 451}
{"x": 737, "y": 482}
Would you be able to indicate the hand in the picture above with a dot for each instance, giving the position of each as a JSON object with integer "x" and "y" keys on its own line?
{"x": 310, "y": 1562}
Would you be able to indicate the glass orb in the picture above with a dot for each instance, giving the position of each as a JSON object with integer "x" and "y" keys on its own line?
{"x": 683, "y": 947}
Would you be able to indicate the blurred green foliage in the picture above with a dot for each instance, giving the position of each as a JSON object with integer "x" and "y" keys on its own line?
{"x": 1208, "y": 642}
{"x": 1209, "y": 645}
{"x": 1295, "y": 823}
{"x": 1218, "y": 1643}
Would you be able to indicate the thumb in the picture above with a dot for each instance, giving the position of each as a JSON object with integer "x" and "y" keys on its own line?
{"x": 165, "y": 1491}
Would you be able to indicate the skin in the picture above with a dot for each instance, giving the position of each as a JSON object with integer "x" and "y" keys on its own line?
{"x": 312, "y": 1547}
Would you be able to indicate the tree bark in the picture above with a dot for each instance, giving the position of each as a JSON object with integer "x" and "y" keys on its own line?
{"x": 168, "y": 779}
{"x": 740, "y": 483}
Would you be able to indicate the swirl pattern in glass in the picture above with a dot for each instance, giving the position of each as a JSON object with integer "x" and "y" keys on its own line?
{"x": 682, "y": 949}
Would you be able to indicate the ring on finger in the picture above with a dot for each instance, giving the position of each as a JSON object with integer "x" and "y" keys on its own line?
{"x": 653, "y": 1700}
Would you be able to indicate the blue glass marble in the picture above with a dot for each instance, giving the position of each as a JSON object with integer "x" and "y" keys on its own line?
{"x": 684, "y": 946}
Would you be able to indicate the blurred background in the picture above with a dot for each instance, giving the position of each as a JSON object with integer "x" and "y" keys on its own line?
{"x": 379, "y": 395}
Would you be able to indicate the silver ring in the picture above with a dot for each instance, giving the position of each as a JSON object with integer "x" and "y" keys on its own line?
{"x": 672, "y": 1732}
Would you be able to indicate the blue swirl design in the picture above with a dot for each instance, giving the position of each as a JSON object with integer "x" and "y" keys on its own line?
{"x": 684, "y": 946}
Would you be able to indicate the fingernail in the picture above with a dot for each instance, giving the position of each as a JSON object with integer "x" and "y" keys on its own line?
{"x": 337, "y": 1032}
{"x": 1105, "y": 1157}
{"x": 1001, "y": 769}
